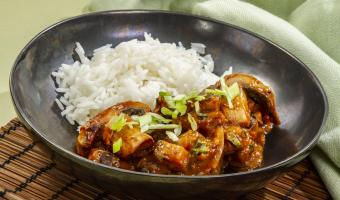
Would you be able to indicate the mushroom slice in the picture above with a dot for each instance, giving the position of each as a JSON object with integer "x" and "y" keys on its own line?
{"x": 255, "y": 89}
{"x": 93, "y": 129}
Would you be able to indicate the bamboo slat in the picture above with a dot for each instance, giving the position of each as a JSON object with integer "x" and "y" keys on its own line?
{"x": 26, "y": 172}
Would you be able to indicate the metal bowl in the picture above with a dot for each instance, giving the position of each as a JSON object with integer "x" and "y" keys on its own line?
{"x": 301, "y": 101}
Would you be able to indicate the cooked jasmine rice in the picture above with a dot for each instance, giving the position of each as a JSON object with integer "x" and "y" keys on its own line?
{"x": 133, "y": 70}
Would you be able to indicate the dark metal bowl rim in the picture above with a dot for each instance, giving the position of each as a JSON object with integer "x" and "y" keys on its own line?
{"x": 69, "y": 154}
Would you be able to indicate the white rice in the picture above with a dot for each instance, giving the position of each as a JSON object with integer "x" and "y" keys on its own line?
{"x": 133, "y": 70}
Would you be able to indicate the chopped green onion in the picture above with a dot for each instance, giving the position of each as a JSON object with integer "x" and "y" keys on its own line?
{"x": 200, "y": 147}
{"x": 251, "y": 147}
{"x": 164, "y": 93}
{"x": 193, "y": 94}
{"x": 234, "y": 90}
{"x": 144, "y": 120}
{"x": 117, "y": 145}
{"x": 117, "y": 123}
{"x": 198, "y": 110}
{"x": 130, "y": 124}
{"x": 181, "y": 108}
{"x": 199, "y": 98}
{"x": 216, "y": 92}
{"x": 233, "y": 138}
{"x": 229, "y": 92}
{"x": 179, "y": 97}
{"x": 162, "y": 126}
{"x": 144, "y": 128}
{"x": 225, "y": 88}
{"x": 192, "y": 122}
{"x": 197, "y": 107}
{"x": 178, "y": 130}
{"x": 172, "y": 136}
{"x": 174, "y": 114}
{"x": 178, "y": 104}
{"x": 170, "y": 102}
{"x": 159, "y": 117}
{"x": 166, "y": 111}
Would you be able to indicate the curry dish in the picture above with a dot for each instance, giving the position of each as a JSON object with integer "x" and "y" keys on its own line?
{"x": 219, "y": 130}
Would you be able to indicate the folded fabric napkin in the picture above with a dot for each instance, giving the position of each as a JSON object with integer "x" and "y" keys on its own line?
{"x": 292, "y": 24}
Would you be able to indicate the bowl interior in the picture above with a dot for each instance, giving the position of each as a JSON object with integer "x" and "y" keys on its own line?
{"x": 300, "y": 99}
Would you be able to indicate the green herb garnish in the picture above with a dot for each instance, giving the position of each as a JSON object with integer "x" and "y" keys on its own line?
{"x": 234, "y": 139}
{"x": 172, "y": 136}
{"x": 117, "y": 145}
{"x": 164, "y": 93}
{"x": 158, "y": 118}
{"x": 200, "y": 147}
{"x": 166, "y": 111}
{"x": 144, "y": 120}
{"x": 192, "y": 122}
{"x": 228, "y": 92}
{"x": 116, "y": 123}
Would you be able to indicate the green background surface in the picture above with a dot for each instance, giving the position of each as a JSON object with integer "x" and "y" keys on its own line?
{"x": 20, "y": 21}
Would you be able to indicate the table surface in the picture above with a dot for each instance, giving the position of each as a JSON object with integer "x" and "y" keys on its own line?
{"x": 28, "y": 172}
{"x": 20, "y": 21}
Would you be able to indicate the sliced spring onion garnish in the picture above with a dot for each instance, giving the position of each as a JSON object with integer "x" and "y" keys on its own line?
{"x": 164, "y": 93}
{"x": 178, "y": 104}
{"x": 229, "y": 92}
{"x": 130, "y": 124}
{"x": 192, "y": 122}
{"x": 233, "y": 138}
{"x": 181, "y": 108}
{"x": 144, "y": 128}
{"x": 174, "y": 114}
{"x": 170, "y": 102}
{"x": 178, "y": 130}
{"x": 179, "y": 97}
{"x": 199, "y": 98}
{"x": 195, "y": 95}
{"x": 144, "y": 120}
{"x": 200, "y": 147}
{"x": 162, "y": 126}
{"x": 198, "y": 110}
{"x": 172, "y": 136}
{"x": 166, "y": 111}
{"x": 234, "y": 90}
{"x": 116, "y": 123}
{"x": 197, "y": 107}
{"x": 225, "y": 88}
{"x": 159, "y": 117}
{"x": 117, "y": 145}
{"x": 215, "y": 92}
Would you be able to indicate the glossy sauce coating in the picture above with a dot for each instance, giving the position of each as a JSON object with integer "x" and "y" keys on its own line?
{"x": 226, "y": 140}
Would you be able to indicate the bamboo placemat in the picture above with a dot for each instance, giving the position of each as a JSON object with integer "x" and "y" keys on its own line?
{"x": 26, "y": 172}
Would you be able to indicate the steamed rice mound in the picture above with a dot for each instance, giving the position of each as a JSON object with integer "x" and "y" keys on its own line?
{"x": 133, "y": 70}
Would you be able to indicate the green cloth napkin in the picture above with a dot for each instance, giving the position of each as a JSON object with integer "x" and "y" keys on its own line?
{"x": 310, "y": 29}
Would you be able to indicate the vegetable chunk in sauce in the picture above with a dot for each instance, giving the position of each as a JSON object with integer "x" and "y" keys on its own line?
{"x": 219, "y": 130}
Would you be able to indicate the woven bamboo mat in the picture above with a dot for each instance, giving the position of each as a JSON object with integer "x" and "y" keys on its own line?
{"x": 26, "y": 172}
